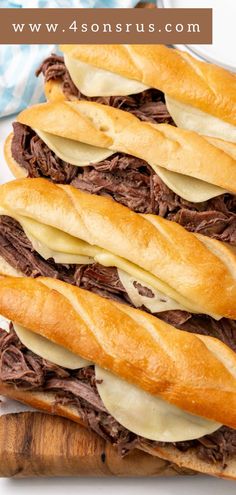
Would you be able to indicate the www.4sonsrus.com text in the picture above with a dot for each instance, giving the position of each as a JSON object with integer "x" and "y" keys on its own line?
{"x": 107, "y": 27}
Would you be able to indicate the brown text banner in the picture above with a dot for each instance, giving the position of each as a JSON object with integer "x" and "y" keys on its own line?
{"x": 105, "y": 26}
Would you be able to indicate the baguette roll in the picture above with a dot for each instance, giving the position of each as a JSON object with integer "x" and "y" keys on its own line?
{"x": 200, "y": 96}
{"x": 109, "y": 335}
{"x": 174, "y": 148}
{"x": 178, "y": 156}
{"x": 161, "y": 252}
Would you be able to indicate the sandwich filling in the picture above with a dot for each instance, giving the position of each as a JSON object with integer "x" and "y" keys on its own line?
{"x": 108, "y": 281}
{"x": 79, "y": 388}
{"x": 129, "y": 181}
{"x": 71, "y": 73}
{"x": 148, "y": 105}
{"x": 197, "y": 205}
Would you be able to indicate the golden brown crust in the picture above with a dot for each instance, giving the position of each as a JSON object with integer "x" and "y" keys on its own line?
{"x": 165, "y": 249}
{"x": 109, "y": 334}
{"x": 63, "y": 119}
{"x": 163, "y": 145}
{"x": 54, "y": 92}
{"x": 18, "y": 171}
{"x": 208, "y": 87}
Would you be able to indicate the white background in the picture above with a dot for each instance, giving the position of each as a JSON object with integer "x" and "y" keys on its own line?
{"x": 222, "y": 50}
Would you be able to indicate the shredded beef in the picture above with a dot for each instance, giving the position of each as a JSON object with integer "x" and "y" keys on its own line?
{"x": 217, "y": 447}
{"x": 22, "y": 367}
{"x": 129, "y": 181}
{"x": 147, "y": 106}
{"x": 35, "y": 156}
{"x": 18, "y": 251}
{"x": 102, "y": 280}
{"x": 25, "y": 370}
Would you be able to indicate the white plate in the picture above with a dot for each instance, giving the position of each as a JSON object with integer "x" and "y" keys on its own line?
{"x": 222, "y": 50}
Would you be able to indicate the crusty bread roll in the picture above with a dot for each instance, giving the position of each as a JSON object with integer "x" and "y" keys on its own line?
{"x": 110, "y": 334}
{"x": 209, "y": 159}
{"x": 205, "y": 86}
{"x": 198, "y": 271}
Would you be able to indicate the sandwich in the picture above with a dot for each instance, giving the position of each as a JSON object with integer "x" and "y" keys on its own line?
{"x": 185, "y": 279}
{"x": 130, "y": 377}
{"x": 156, "y": 83}
{"x": 151, "y": 168}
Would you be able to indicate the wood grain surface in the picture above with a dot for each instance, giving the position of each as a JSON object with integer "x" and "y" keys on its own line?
{"x": 36, "y": 444}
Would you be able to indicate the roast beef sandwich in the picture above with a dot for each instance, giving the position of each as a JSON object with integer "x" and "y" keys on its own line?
{"x": 130, "y": 377}
{"x": 186, "y": 279}
{"x": 156, "y": 83}
{"x": 151, "y": 168}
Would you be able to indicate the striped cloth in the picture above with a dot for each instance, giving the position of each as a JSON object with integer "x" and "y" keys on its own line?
{"x": 18, "y": 84}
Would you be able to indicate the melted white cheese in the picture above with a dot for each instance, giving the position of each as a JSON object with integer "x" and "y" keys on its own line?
{"x": 187, "y": 187}
{"x": 64, "y": 244}
{"x": 74, "y": 152}
{"x": 81, "y": 155}
{"x": 160, "y": 302}
{"x": 47, "y": 349}
{"x": 92, "y": 81}
{"x": 149, "y": 280}
{"x": 192, "y": 118}
{"x": 147, "y": 415}
{"x": 56, "y": 239}
{"x": 64, "y": 258}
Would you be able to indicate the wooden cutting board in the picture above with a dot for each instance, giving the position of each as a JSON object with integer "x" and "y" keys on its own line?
{"x": 36, "y": 444}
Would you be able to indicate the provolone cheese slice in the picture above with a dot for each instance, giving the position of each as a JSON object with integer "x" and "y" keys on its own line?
{"x": 92, "y": 81}
{"x": 192, "y": 118}
{"x": 56, "y": 239}
{"x": 160, "y": 302}
{"x": 59, "y": 241}
{"x": 74, "y": 152}
{"x": 64, "y": 258}
{"x": 146, "y": 415}
{"x": 189, "y": 188}
{"x": 62, "y": 242}
{"x": 108, "y": 259}
{"x": 49, "y": 350}
{"x": 81, "y": 155}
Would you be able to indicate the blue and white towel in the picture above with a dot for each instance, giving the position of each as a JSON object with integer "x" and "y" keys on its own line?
{"x": 18, "y": 84}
